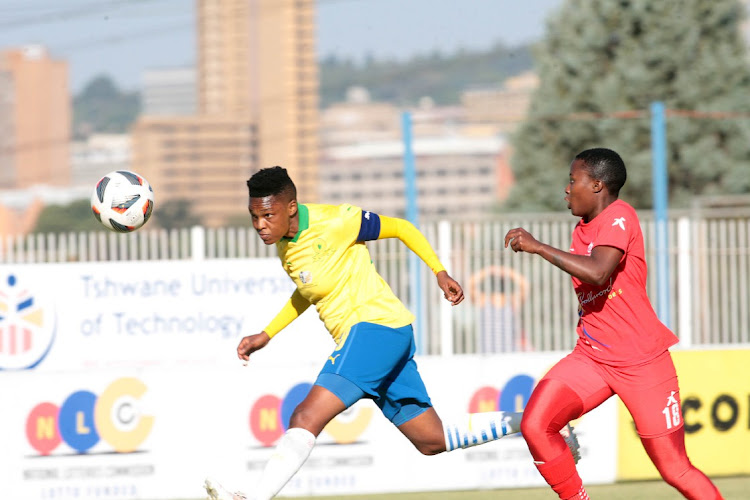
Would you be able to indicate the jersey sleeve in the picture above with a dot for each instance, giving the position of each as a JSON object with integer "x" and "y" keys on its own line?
{"x": 295, "y": 306}
{"x": 392, "y": 227}
{"x": 349, "y": 223}
{"x": 618, "y": 231}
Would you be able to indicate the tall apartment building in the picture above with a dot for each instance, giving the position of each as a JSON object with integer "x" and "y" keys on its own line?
{"x": 202, "y": 159}
{"x": 35, "y": 116}
{"x": 257, "y": 91}
{"x": 257, "y": 59}
{"x": 169, "y": 92}
{"x": 503, "y": 107}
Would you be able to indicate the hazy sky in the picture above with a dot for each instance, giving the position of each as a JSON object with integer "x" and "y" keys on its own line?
{"x": 122, "y": 38}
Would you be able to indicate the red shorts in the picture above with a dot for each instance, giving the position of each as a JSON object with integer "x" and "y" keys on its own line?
{"x": 649, "y": 391}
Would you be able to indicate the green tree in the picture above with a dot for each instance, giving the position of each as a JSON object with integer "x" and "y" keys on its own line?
{"x": 606, "y": 56}
{"x": 176, "y": 214}
{"x": 102, "y": 107}
{"x": 73, "y": 217}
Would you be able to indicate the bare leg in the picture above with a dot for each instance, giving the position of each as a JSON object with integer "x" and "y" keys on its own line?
{"x": 316, "y": 410}
{"x": 425, "y": 431}
{"x": 431, "y": 436}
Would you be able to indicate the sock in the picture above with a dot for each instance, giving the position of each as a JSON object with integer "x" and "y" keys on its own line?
{"x": 562, "y": 476}
{"x": 291, "y": 452}
{"x": 478, "y": 428}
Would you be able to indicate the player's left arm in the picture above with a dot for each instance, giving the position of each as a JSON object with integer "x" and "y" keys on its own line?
{"x": 382, "y": 227}
{"x": 595, "y": 268}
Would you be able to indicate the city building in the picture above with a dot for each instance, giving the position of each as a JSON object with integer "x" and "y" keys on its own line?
{"x": 202, "y": 159}
{"x": 98, "y": 155}
{"x": 35, "y": 119}
{"x": 169, "y": 92}
{"x": 458, "y": 157}
{"x": 456, "y": 176}
{"x": 504, "y": 107}
{"x": 358, "y": 119}
{"x": 257, "y": 106}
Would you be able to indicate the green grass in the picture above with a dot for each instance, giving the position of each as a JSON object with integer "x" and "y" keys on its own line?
{"x": 732, "y": 488}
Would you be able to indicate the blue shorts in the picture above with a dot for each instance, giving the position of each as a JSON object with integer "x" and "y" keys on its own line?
{"x": 377, "y": 362}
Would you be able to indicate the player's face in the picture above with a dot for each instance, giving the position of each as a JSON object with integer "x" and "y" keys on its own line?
{"x": 580, "y": 191}
{"x": 272, "y": 218}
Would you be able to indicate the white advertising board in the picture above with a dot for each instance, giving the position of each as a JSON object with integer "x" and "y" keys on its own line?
{"x": 120, "y": 381}
{"x": 157, "y": 313}
{"x": 155, "y": 433}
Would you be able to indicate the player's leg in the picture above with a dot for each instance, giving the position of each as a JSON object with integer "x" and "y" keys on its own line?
{"x": 670, "y": 458}
{"x": 307, "y": 421}
{"x": 431, "y": 436}
{"x": 404, "y": 401}
{"x": 354, "y": 370}
{"x": 570, "y": 389}
{"x": 652, "y": 395}
{"x": 318, "y": 408}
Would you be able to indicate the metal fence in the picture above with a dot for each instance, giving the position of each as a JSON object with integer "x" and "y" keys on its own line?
{"x": 515, "y": 302}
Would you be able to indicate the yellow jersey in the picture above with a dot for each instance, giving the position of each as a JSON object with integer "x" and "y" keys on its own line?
{"x": 335, "y": 273}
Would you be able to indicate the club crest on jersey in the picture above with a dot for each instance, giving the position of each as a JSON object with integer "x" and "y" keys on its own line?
{"x": 620, "y": 221}
{"x": 305, "y": 277}
{"x": 590, "y": 247}
{"x": 321, "y": 250}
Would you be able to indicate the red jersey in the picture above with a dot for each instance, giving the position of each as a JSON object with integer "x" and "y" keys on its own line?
{"x": 618, "y": 325}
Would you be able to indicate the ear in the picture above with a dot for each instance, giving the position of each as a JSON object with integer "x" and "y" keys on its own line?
{"x": 292, "y": 208}
{"x": 597, "y": 186}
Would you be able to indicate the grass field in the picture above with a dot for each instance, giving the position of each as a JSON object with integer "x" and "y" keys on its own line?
{"x": 732, "y": 488}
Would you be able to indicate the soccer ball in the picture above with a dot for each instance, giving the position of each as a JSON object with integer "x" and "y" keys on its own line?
{"x": 122, "y": 201}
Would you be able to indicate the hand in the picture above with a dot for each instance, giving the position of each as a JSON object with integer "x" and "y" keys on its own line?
{"x": 450, "y": 287}
{"x": 521, "y": 240}
{"x": 250, "y": 344}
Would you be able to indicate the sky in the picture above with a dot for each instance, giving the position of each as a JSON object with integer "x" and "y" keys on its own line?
{"x": 123, "y": 38}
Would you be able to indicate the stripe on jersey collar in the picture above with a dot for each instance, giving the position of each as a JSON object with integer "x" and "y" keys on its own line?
{"x": 304, "y": 221}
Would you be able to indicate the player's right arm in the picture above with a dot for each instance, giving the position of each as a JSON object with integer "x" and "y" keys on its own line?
{"x": 594, "y": 269}
{"x": 392, "y": 227}
{"x": 295, "y": 306}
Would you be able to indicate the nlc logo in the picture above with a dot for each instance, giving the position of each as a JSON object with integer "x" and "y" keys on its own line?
{"x": 512, "y": 398}
{"x": 84, "y": 419}
{"x": 270, "y": 415}
{"x": 27, "y": 326}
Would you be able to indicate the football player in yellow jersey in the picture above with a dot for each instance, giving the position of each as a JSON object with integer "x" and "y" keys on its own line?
{"x": 322, "y": 249}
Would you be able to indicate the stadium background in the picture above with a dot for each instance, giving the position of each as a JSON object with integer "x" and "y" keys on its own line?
{"x": 116, "y": 350}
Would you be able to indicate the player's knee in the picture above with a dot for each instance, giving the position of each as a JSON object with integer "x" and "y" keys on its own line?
{"x": 430, "y": 448}
{"x": 532, "y": 426}
{"x": 307, "y": 419}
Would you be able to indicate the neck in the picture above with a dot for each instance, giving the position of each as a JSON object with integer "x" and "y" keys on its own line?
{"x": 293, "y": 225}
{"x": 599, "y": 208}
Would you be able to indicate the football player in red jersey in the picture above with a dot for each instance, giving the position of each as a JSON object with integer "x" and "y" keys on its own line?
{"x": 622, "y": 346}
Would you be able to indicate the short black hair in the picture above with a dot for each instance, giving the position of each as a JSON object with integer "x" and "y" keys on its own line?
{"x": 605, "y": 165}
{"x": 271, "y": 181}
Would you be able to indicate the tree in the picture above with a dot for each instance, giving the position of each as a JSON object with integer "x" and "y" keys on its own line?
{"x": 102, "y": 107}
{"x": 176, "y": 214}
{"x": 605, "y": 56}
{"x": 73, "y": 217}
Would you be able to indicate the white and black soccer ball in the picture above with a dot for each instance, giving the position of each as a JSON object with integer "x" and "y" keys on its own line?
{"x": 122, "y": 201}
